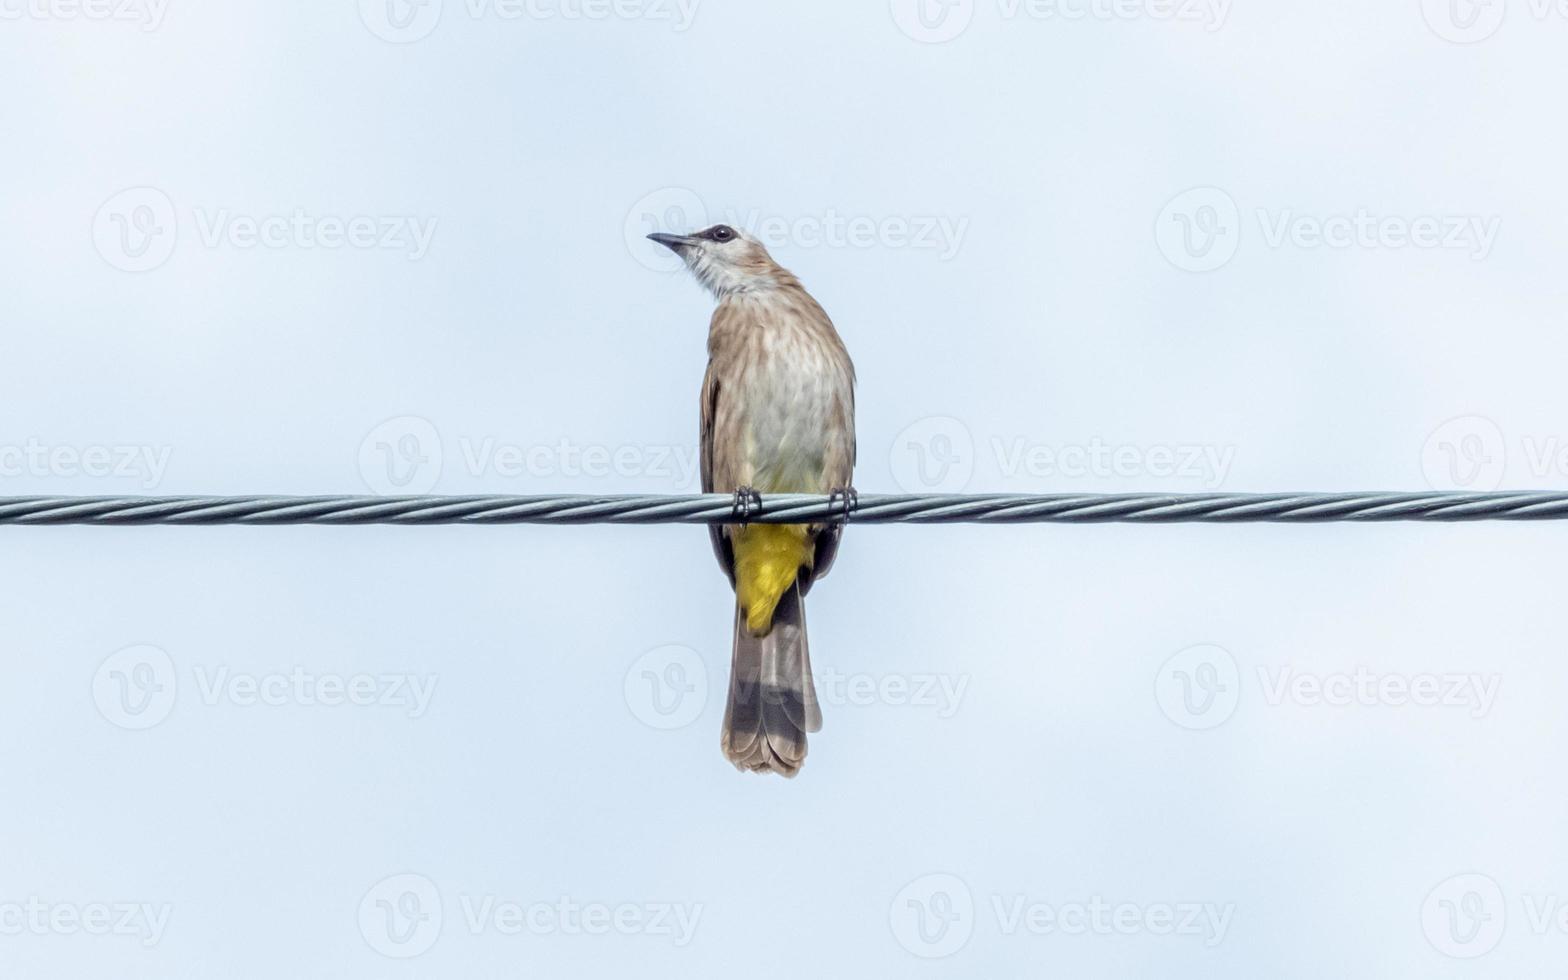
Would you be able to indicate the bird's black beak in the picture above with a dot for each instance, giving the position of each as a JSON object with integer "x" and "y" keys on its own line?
{"x": 673, "y": 242}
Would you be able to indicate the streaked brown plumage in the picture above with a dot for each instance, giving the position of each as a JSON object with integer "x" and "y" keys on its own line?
{"x": 778, "y": 416}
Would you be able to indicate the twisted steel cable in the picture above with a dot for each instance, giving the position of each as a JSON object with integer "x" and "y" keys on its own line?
{"x": 1129, "y": 508}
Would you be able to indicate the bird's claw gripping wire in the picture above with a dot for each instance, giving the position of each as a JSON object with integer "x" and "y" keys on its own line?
{"x": 747, "y": 503}
{"x": 848, "y": 497}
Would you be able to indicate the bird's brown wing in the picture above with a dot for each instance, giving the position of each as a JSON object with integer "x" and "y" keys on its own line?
{"x": 711, "y": 390}
{"x": 840, "y": 477}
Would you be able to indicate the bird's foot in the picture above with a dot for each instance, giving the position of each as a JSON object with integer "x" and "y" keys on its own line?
{"x": 747, "y": 502}
{"x": 850, "y": 498}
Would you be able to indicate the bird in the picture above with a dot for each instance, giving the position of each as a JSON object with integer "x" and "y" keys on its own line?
{"x": 777, "y": 416}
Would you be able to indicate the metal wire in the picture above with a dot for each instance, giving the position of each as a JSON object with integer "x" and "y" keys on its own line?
{"x": 1130, "y": 508}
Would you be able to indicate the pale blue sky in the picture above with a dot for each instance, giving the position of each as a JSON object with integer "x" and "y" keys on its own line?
{"x": 334, "y": 247}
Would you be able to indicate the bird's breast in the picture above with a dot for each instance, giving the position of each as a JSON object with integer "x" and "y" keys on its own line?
{"x": 791, "y": 397}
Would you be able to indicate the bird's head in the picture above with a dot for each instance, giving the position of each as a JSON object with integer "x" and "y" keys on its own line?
{"x": 727, "y": 261}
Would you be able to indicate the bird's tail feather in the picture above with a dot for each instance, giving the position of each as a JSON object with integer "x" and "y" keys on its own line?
{"x": 773, "y": 702}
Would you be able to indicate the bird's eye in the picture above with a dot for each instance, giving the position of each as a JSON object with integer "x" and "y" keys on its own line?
{"x": 722, "y": 233}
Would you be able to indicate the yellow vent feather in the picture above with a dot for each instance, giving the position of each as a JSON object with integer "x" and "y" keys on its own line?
{"x": 767, "y": 559}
